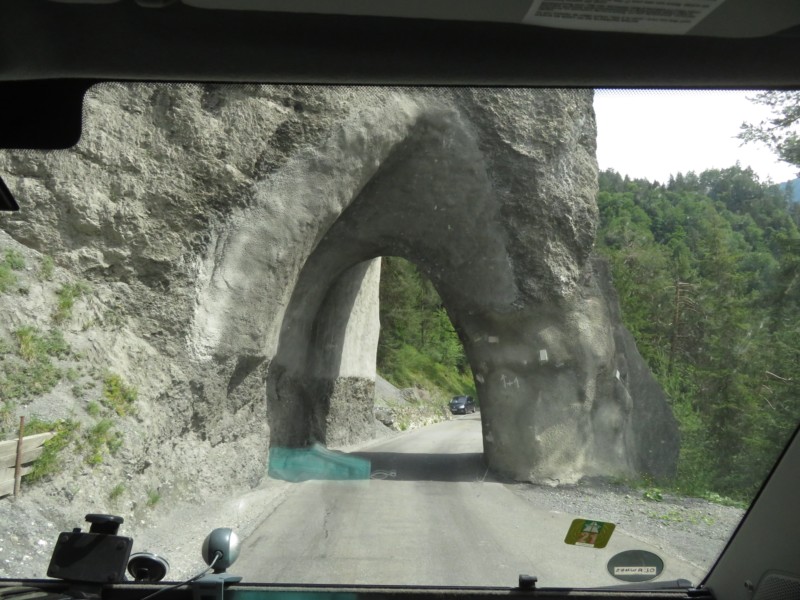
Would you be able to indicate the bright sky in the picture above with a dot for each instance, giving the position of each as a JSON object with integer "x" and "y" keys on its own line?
{"x": 653, "y": 134}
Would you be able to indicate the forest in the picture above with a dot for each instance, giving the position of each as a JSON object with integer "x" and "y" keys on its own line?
{"x": 707, "y": 269}
{"x": 418, "y": 345}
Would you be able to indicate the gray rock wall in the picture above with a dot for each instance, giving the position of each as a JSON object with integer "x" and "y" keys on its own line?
{"x": 237, "y": 229}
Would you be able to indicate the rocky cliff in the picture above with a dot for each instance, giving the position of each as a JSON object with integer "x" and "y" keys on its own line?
{"x": 227, "y": 240}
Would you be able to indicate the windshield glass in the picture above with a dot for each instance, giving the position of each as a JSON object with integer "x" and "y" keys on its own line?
{"x": 248, "y": 306}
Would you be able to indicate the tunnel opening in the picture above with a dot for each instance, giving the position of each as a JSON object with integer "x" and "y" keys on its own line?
{"x": 340, "y": 382}
{"x": 427, "y": 202}
{"x": 419, "y": 347}
{"x": 423, "y": 377}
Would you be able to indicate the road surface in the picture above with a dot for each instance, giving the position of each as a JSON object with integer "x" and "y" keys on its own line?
{"x": 431, "y": 515}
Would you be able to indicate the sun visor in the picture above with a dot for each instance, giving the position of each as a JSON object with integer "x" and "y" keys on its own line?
{"x": 714, "y": 18}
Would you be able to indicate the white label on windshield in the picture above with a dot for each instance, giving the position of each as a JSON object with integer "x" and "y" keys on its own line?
{"x": 635, "y": 571}
{"x": 637, "y": 16}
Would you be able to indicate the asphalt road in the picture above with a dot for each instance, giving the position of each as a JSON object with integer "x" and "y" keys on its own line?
{"x": 430, "y": 515}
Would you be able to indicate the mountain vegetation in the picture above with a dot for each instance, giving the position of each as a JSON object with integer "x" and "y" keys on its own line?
{"x": 794, "y": 188}
{"x": 707, "y": 268}
{"x": 418, "y": 345}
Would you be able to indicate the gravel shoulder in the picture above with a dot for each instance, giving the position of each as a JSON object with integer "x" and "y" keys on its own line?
{"x": 690, "y": 528}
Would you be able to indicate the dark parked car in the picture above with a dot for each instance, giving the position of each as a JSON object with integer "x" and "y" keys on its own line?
{"x": 462, "y": 405}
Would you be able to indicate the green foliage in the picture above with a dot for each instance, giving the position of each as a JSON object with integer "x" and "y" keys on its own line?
{"x": 93, "y": 409}
{"x": 33, "y": 345}
{"x": 14, "y": 260}
{"x": 8, "y": 280}
{"x": 99, "y": 438}
{"x": 723, "y": 500}
{"x": 117, "y": 395}
{"x": 10, "y": 262}
{"x": 116, "y": 491}
{"x": 707, "y": 270}
{"x": 35, "y": 373}
{"x": 780, "y": 132}
{"x": 28, "y": 380}
{"x": 50, "y": 460}
{"x": 66, "y": 295}
{"x": 153, "y": 498}
{"x": 653, "y": 495}
{"x": 8, "y": 411}
{"x": 410, "y": 366}
{"x": 46, "y": 268}
{"x": 418, "y": 343}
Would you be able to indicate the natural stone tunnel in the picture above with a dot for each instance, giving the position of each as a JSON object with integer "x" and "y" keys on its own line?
{"x": 233, "y": 233}
{"x": 491, "y": 195}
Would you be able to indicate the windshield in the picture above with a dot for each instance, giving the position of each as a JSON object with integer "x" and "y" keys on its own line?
{"x": 248, "y": 306}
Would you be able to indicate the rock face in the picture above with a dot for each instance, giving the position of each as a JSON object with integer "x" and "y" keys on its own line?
{"x": 238, "y": 231}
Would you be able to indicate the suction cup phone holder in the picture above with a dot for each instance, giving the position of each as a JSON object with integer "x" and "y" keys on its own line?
{"x": 146, "y": 566}
{"x": 99, "y": 556}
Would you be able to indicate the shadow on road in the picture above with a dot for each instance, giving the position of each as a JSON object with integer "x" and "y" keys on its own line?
{"x": 403, "y": 466}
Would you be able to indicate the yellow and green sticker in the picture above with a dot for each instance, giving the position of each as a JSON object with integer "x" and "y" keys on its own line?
{"x": 588, "y": 532}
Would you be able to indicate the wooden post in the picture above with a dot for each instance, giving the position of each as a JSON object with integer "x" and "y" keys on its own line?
{"x": 18, "y": 465}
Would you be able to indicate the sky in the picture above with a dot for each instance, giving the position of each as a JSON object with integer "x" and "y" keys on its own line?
{"x": 655, "y": 134}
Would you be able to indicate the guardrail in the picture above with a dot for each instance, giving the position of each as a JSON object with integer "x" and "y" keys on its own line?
{"x": 17, "y": 456}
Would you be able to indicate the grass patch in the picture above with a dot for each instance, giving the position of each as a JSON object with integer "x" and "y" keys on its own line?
{"x": 117, "y": 395}
{"x": 35, "y": 373}
{"x": 7, "y": 415}
{"x": 153, "y": 497}
{"x": 93, "y": 408}
{"x": 113, "y": 318}
{"x": 34, "y": 345}
{"x": 114, "y": 443}
{"x": 14, "y": 260}
{"x": 116, "y": 491}
{"x": 99, "y": 438}
{"x": 653, "y": 491}
{"x": 723, "y": 500}
{"x": 67, "y": 294}
{"x": 653, "y": 494}
{"x": 46, "y": 268}
{"x": 26, "y": 380}
{"x": 11, "y": 261}
{"x": 671, "y": 516}
{"x": 8, "y": 280}
{"x": 50, "y": 462}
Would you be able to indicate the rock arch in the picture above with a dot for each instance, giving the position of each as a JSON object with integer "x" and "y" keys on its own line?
{"x": 491, "y": 194}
